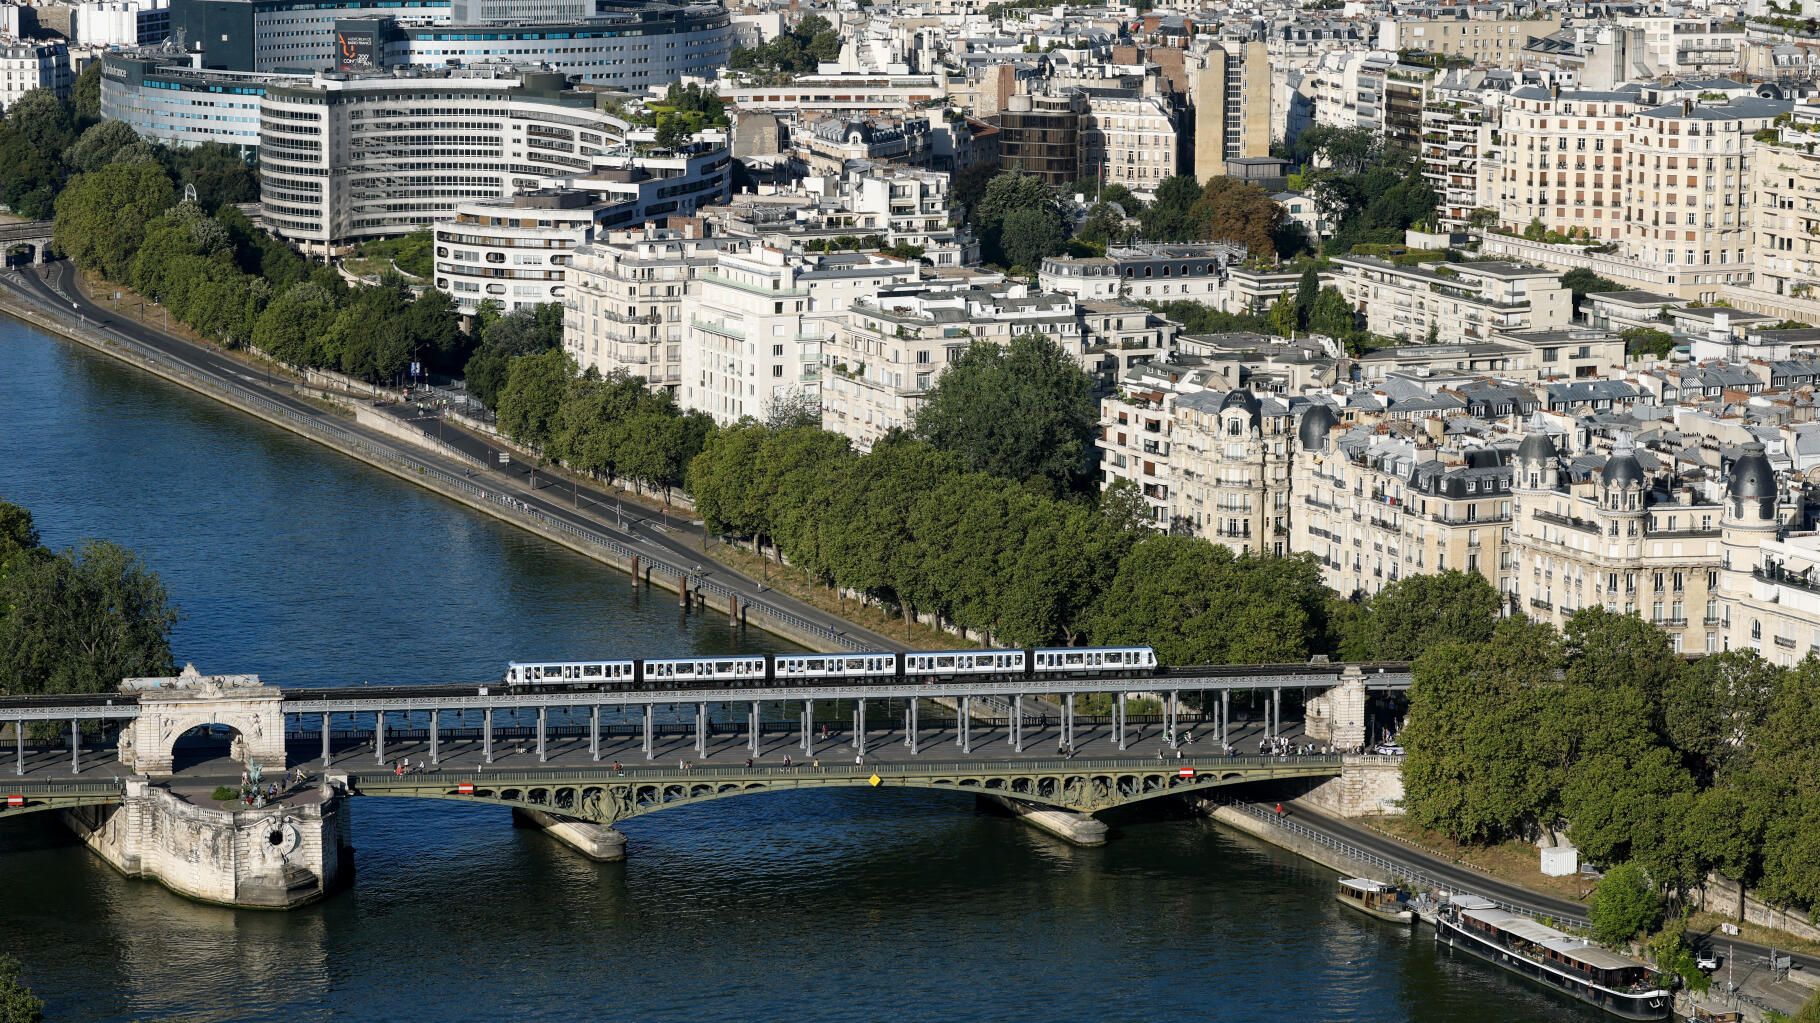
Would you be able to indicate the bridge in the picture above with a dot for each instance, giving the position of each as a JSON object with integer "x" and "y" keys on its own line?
{"x": 32, "y": 236}
{"x": 141, "y": 770}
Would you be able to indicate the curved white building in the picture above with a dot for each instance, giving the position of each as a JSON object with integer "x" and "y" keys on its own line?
{"x": 345, "y": 156}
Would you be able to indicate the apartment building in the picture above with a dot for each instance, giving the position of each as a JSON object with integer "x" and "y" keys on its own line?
{"x": 1040, "y": 135}
{"x": 1454, "y": 135}
{"x": 1687, "y": 183}
{"x": 1495, "y": 42}
{"x": 1562, "y": 161}
{"x": 1453, "y": 302}
{"x": 514, "y": 251}
{"x": 1230, "y": 85}
{"x": 1230, "y": 454}
{"x": 1128, "y": 137}
{"x": 623, "y": 310}
{"x": 1144, "y": 272}
{"x": 1376, "y": 507}
{"x": 26, "y": 65}
{"x": 759, "y": 318}
{"x": 894, "y": 345}
{"x": 1628, "y": 537}
{"x": 1768, "y": 588}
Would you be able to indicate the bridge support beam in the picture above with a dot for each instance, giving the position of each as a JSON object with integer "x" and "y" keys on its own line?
{"x": 859, "y": 728}
{"x": 1068, "y": 721}
{"x": 1225, "y": 719}
{"x": 597, "y": 842}
{"x": 757, "y": 723}
{"x": 1276, "y": 711}
{"x": 1017, "y": 722}
{"x": 19, "y": 745}
{"x": 808, "y": 728}
{"x": 486, "y": 736}
{"x": 914, "y": 728}
{"x": 650, "y": 745}
{"x": 435, "y": 738}
{"x": 701, "y": 730}
{"x": 1118, "y": 718}
{"x": 325, "y": 740}
{"x": 75, "y": 747}
{"x": 543, "y": 721}
{"x": 594, "y": 732}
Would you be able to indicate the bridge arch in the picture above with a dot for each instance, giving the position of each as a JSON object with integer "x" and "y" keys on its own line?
{"x": 611, "y": 798}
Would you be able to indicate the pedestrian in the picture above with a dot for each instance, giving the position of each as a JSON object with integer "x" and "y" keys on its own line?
{"x": 818, "y": 763}
{"x": 858, "y": 759}
{"x": 748, "y": 761}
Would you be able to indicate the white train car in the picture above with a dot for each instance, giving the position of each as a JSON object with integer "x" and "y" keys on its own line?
{"x": 569, "y": 672}
{"x": 950, "y": 663}
{"x": 868, "y": 665}
{"x": 1094, "y": 660}
{"x": 704, "y": 669}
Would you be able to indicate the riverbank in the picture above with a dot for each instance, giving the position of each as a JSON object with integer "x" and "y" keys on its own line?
{"x": 651, "y": 557}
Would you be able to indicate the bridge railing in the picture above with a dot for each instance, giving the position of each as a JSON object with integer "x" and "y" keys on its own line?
{"x": 1390, "y": 868}
{"x": 895, "y": 769}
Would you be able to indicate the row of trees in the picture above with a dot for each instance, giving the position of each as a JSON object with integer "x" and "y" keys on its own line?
{"x": 1601, "y": 732}
{"x": 79, "y": 620}
{"x": 612, "y": 427}
{"x": 1371, "y": 190}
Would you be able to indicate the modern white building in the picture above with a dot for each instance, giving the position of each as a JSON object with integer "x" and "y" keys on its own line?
{"x": 160, "y": 95}
{"x": 516, "y": 251}
{"x": 757, "y": 328}
{"x": 346, "y": 155}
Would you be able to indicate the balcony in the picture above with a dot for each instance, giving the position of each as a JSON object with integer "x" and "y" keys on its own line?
{"x": 1539, "y": 604}
{"x": 1782, "y": 577}
{"x": 1569, "y": 521}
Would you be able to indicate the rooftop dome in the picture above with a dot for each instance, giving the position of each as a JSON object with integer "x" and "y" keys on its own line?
{"x": 1622, "y": 468}
{"x": 1752, "y": 477}
{"x": 1244, "y": 399}
{"x": 1484, "y": 458}
{"x": 1311, "y": 432}
{"x": 1538, "y": 446}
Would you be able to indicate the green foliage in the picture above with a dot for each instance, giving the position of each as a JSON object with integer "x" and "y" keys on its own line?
{"x": 1416, "y": 612}
{"x": 1023, "y": 411}
{"x": 1370, "y": 191}
{"x": 532, "y": 396}
{"x": 1673, "y": 955}
{"x": 1199, "y": 603}
{"x": 223, "y": 794}
{"x": 1018, "y": 220}
{"x": 411, "y": 252}
{"x": 1625, "y": 904}
{"x": 77, "y": 621}
{"x": 1169, "y": 218}
{"x": 1584, "y": 282}
{"x": 502, "y": 338}
{"x": 813, "y": 41}
{"x": 17, "y": 1003}
{"x": 1642, "y": 341}
{"x": 1196, "y": 318}
{"x": 101, "y": 217}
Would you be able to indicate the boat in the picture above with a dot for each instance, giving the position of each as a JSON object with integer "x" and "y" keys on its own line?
{"x": 1375, "y": 898}
{"x": 1618, "y": 984}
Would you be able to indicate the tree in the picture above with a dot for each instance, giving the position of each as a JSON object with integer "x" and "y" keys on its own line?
{"x": 532, "y": 395}
{"x": 1169, "y": 218}
{"x": 1307, "y": 291}
{"x": 1027, "y": 235}
{"x": 1625, "y": 904}
{"x": 101, "y": 216}
{"x": 17, "y": 1003}
{"x": 100, "y": 145}
{"x": 1713, "y": 709}
{"x": 1236, "y": 211}
{"x": 294, "y": 327}
{"x": 674, "y": 132}
{"x": 18, "y": 534}
{"x": 1416, "y": 612}
{"x": 1584, "y": 282}
{"x": 80, "y": 621}
{"x": 432, "y": 323}
{"x": 1012, "y": 193}
{"x": 1642, "y": 341}
{"x": 1332, "y": 315}
{"x": 1473, "y": 770}
{"x": 1023, "y": 412}
{"x": 86, "y": 96}
{"x": 1198, "y": 603}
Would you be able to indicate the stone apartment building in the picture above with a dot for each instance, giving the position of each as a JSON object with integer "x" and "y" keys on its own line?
{"x": 624, "y": 307}
{"x": 1455, "y": 302}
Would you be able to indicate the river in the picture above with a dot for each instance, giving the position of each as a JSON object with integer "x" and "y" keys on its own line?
{"x": 293, "y": 562}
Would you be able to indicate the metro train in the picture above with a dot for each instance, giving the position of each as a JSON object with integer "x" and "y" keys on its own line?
{"x": 865, "y": 666}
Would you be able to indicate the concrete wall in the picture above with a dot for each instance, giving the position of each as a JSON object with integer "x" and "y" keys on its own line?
{"x": 1367, "y": 786}
{"x": 1721, "y": 896}
{"x": 218, "y": 855}
{"x": 1301, "y": 846}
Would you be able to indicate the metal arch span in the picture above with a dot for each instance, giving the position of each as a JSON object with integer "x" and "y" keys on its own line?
{"x": 20, "y": 798}
{"x": 607, "y": 797}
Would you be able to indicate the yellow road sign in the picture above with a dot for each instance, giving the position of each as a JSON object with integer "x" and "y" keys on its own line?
{"x": 876, "y": 781}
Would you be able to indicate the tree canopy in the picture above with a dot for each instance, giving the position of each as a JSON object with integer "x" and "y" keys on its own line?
{"x": 1023, "y": 411}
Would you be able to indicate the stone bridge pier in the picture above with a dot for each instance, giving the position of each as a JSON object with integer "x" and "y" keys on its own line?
{"x": 34, "y": 238}
{"x": 1337, "y": 717}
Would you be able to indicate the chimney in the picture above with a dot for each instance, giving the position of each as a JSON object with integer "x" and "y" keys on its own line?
{"x": 1687, "y": 106}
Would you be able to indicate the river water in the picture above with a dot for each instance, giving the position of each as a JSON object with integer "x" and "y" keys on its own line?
{"x": 293, "y": 562}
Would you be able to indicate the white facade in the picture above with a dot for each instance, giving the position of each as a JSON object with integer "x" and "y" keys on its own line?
{"x": 26, "y": 66}
{"x": 121, "y": 22}
{"x": 756, "y": 331}
{"x": 515, "y": 251}
{"x": 349, "y": 156}
{"x": 625, "y": 306}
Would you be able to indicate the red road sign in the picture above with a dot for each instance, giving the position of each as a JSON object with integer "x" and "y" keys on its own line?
{"x": 1184, "y": 772}
{"x": 466, "y": 788}
{"x": 12, "y": 801}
